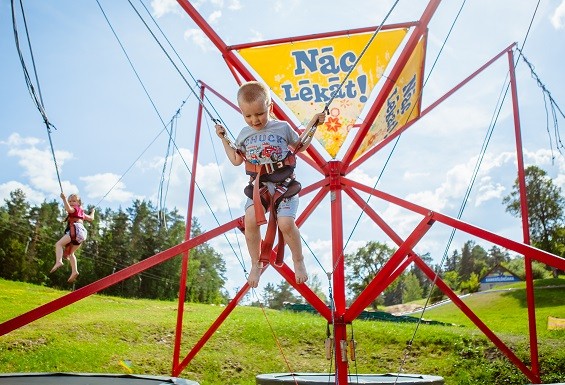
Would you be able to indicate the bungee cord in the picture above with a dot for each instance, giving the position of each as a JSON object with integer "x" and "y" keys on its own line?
{"x": 198, "y": 98}
{"x": 165, "y": 128}
{"x": 215, "y": 120}
{"x": 553, "y": 106}
{"x": 36, "y": 96}
{"x": 336, "y": 92}
{"x": 486, "y": 141}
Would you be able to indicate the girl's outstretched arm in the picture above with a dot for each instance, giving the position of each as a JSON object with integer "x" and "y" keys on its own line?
{"x": 89, "y": 217}
{"x": 68, "y": 207}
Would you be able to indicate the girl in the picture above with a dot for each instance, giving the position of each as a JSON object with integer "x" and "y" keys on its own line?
{"x": 75, "y": 234}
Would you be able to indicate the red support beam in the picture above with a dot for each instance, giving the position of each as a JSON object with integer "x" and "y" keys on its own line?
{"x": 520, "y": 248}
{"x": 428, "y": 109}
{"x": 211, "y": 330}
{"x": 338, "y": 273}
{"x": 477, "y": 321}
{"x": 365, "y": 299}
{"x": 524, "y": 211}
{"x": 390, "y": 80}
{"x": 188, "y": 229}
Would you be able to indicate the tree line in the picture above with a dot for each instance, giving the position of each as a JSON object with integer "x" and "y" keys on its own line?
{"x": 116, "y": 239}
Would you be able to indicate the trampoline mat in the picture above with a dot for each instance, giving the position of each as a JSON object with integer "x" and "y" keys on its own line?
{"x": 325, "y": 378}
{"x": 87, "y": 379}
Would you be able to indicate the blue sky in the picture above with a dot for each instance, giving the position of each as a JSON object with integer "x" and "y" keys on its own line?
{"x": 110, "y": 144}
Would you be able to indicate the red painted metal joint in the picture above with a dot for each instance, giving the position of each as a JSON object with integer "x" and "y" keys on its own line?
{"x": 335, "y": 174}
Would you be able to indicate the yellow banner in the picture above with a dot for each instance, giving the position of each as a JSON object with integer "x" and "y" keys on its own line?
{"x": 402, "y": 104}
{"x": 305, "y": 74}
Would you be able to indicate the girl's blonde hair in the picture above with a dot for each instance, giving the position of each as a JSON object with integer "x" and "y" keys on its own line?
{"x": 77, "y": 197}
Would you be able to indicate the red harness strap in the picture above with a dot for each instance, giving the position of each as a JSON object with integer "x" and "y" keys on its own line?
{"x": 267, "y": 244}
{"x": 286, "y": 189}
{"x": 73, "y": 234}
{"x": 280, "y": 173}
{"x": 270, "y": 172}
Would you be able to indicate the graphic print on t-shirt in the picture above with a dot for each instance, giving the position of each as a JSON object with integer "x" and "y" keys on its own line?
{"x": 265, "y": 148}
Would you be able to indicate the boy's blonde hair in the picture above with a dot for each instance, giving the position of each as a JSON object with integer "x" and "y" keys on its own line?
{"x": 254, "y": 91}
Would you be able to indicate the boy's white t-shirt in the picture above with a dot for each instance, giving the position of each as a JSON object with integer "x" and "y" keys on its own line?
{"x": 270, "y": 144}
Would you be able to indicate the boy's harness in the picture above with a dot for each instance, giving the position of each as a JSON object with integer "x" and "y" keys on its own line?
{"x": 280, "y": 173}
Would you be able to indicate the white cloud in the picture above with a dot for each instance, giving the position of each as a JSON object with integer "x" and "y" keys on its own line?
{"x": 199, "y": 38}
{"x": 214, "y": 17}
{"x": 489, "y": 190}
{"x": 234, "y": 5}
{"x": 415, "y": 175}
{"x": 360, "y": 176}
{"x": 107, "y": 187}
{"x": 558, "y": 17}
{"x": 38, "y": 164}
{"x": 16, "y": 140}
{"x": 32, "y": 196}
{"x": 257, "y": 36}
{"x": 163, "y": 7}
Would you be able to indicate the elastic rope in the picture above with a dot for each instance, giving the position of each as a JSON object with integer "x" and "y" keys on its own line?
{"x": 334, "y": 94}
{"x": 37, "y": 99}
{"x": 486, "y": 141}
{"x": 215, "y": 120}
{"x": 165, "y": 126}
{"x": 279, "y": 346}
{"x": 240, "y": 255}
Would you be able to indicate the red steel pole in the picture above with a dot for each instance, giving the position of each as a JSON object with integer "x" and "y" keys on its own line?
{"x": 186, "y": 254}
{"x": 525, "y": 226}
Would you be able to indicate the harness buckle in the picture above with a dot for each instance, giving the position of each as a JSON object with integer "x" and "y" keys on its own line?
{"x": 272, "y": 166}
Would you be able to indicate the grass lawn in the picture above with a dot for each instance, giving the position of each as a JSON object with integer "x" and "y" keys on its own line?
{"x": 95, "y": 334}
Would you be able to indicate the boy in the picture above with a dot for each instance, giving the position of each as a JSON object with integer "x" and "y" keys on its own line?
{"x": 264, "y": 145}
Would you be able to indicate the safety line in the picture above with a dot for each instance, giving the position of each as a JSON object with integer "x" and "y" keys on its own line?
{"x": 165, "y": 126}
{"x": 334, "y": 94}
{"x": 37, "y": 99}
{"x": 215, "y": 120}
{"x": 201, "y": 102}
{"x": 278, "y": 343}
{"x": 486, "y": 141}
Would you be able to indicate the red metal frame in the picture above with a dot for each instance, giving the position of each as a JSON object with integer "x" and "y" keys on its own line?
{"x": 335, "y": 183}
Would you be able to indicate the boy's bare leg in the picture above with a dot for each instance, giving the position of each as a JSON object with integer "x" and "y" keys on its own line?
{"x": 59, "y": 248}
{"x": 253, "y": 240}
{"x": 291, "y": 236}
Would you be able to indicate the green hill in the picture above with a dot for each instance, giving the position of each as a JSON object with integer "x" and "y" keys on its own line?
{"x": 95, "y": 334}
